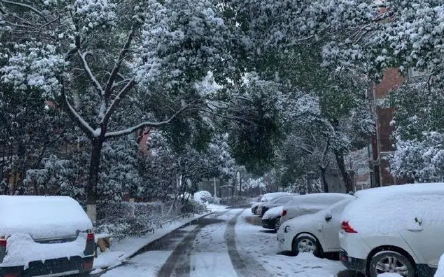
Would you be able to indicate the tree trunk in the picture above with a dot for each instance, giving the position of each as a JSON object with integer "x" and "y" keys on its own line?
{"x": 324, "y": 179}
{"x": 93, "y": 178}
{"x": 345, "y": 176}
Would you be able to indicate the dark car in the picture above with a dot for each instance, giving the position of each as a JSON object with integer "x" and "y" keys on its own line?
{"x": 44, "y": 236}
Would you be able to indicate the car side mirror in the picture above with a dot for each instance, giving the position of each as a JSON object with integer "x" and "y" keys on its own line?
{"x": 328, "y": 216}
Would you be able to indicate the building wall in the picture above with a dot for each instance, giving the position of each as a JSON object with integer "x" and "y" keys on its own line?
{"x": 382, "y": 143}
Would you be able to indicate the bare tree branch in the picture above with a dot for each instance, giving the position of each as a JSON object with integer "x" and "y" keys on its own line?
{"x": 123, "y": 92}
{"x": 115, "y": 71}
{"x": 81, "y": 123}
{"x": 91, "y": 76}
{"x": 26, "y": 6}
{"x": 145, "y": 124}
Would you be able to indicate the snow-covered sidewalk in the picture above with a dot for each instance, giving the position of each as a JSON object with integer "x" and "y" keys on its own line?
{"x": 124, "y": 249}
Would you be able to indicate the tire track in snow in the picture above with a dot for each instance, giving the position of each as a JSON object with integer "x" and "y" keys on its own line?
{"x": 178, "y": 263}
{"x": 244, "y": 265}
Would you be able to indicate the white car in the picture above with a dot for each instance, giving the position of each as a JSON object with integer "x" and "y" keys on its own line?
{"x": 278, "y": 201}
{"x": 396, "y": 229}
{"x": 266, "y": 197}
{"x": 315, "y": 233}
{"x": 310, "y": 203}
{"x": 45, "y": 236}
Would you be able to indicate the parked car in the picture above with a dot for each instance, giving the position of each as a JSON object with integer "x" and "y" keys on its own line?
{"x": 278, "y": 201}
{"x": 300, "y": 205}
{"x": 315, "y": 233}
{"x": 266, "y": 197}
{"x": 310, "y": 203}
{"x": 396, "y": 229}
{"x": 271, "y": 218}
{"x": 44, "y": 235}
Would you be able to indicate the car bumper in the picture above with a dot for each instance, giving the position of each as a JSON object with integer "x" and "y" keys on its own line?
{"x": 351, "y": 263}
{"x": 284, "y": 241}
{"x": 54, "y": 267}
{"x": 268, "y": 223}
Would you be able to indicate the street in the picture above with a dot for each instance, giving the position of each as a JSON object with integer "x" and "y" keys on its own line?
{"x": 229, "y": 243}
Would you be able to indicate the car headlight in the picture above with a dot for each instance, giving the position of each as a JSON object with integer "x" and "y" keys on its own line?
{"x": 287, "y": 229}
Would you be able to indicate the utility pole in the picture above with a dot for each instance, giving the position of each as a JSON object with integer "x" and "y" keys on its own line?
{"x": 214, "y": 186}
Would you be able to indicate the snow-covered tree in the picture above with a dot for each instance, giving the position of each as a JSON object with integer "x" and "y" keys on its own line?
{"x": 114, "y": 53}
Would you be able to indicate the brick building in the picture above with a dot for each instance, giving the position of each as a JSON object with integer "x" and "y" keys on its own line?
{"x": 382, "y": 144}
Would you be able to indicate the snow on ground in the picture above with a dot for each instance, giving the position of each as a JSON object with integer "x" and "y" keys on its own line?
{"x": 262, "y": 245}
{"x": 143, "y": 265}
{"x": 210, "y": 255}
{"x": 215, "y": 208}
{"x": 125, "y": 248}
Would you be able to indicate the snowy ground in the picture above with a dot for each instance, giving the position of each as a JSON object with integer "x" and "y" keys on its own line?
{"x": 226, "y": 243}
{"x": 261, "y": 244}
{"x": 121, "y": 250}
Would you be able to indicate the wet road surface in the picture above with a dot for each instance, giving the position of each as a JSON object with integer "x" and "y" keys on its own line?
{"x": 208, "y": 248}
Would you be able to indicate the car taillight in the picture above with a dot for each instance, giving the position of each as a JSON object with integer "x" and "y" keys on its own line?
{"x": 90, "y": 237}
{"x": 12, "y": 275}
{"x": 347, "y": 228}
{"x": 284, "y": 213}
{"x": 3, "y": 242}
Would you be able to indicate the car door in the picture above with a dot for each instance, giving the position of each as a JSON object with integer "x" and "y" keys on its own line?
{"x": 424, "y": 227}
{"x": 331, "y": 225}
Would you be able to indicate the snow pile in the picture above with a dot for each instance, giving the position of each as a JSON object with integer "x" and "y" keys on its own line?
{"x": 440, "y": 271}
{"x": 202, "y": 196}
{"x": 391, "y": 209}
{"x": 42, "y": 216}
{"x": 22, "y": 249}
{"x": 273, "y": 212}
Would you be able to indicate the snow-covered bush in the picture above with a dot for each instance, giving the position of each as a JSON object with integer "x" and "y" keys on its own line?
{"x": 204, "y": 196}
{"x": 192, "y": 206}
{"x": 121, "y": 219}
{"x": 124, "y": 218}
{"x": 420, "y": 160}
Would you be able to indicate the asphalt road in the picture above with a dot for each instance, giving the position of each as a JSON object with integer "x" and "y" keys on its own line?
{"x": 200, "y": 249}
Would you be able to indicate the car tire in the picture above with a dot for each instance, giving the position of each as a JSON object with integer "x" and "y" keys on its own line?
{"x": 277, "y": 224}
{"x": 306, "y": 243}
{"x": 391, "y": 262}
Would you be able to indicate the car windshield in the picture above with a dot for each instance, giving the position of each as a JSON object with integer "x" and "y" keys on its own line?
{"x": 171, "y": 128}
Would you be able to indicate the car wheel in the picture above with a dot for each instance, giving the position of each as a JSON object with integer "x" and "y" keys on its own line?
{"x": 306, "y": 244}
{"x": 391, "y": 262}
{"x": 277, "y": 224}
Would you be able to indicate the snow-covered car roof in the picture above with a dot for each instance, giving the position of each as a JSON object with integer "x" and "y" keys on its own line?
{"x": 390, "y": 209}
{"x": 278, "y": 201}
{"x": 318, "y": 199}
{"x": 42, "y": 216}
{"x": 272, "y": 195}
